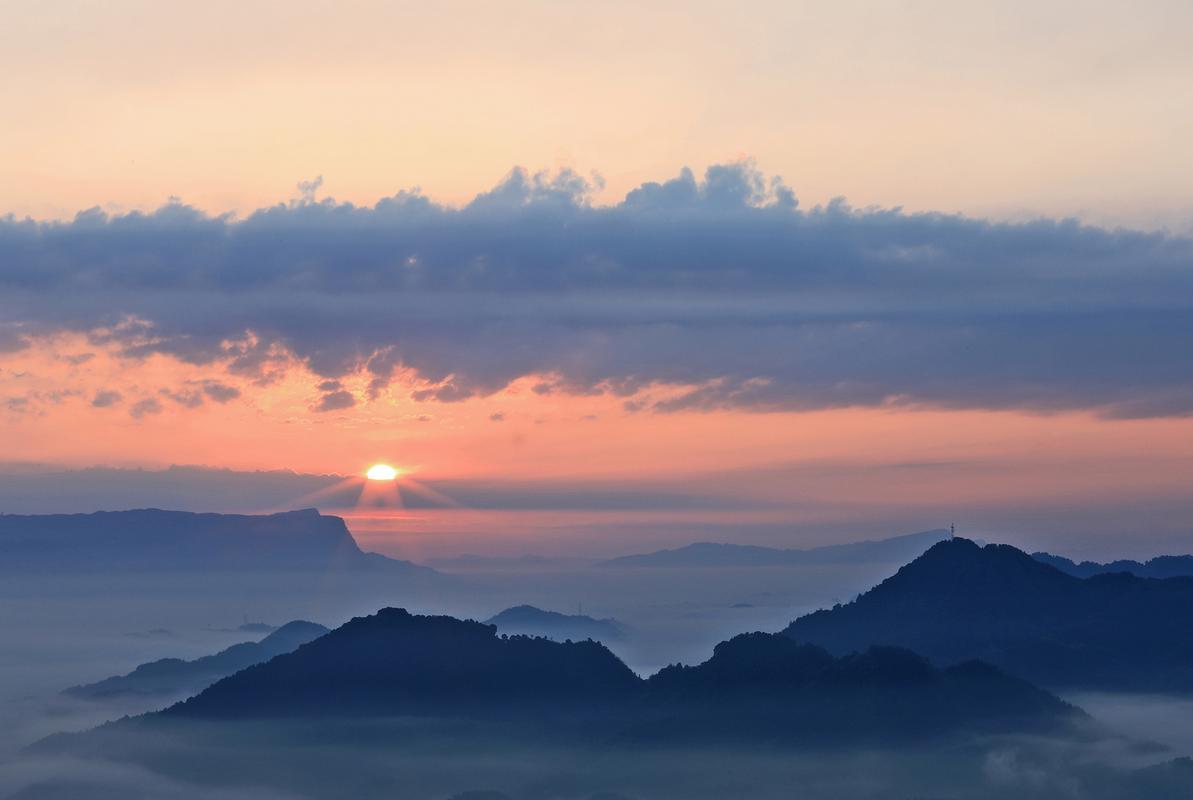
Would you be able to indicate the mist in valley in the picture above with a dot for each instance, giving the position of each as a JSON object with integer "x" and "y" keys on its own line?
{"x": 62, "y": 630}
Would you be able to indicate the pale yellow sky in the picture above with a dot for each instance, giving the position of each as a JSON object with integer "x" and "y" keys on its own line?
{"x": 1008, "y": 109}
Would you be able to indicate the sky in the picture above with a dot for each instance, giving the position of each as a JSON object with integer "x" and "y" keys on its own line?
{"x": 844, "y": 267}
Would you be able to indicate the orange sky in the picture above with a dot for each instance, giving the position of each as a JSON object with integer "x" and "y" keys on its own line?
{"x": 980, "y": 457}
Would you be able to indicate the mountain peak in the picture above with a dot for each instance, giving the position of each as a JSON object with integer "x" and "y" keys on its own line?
{"x": 403, "y": 663}
{"x": 996, "y": 603}
{"x": 959, "y": 566}
{"x": 765, "y": 686}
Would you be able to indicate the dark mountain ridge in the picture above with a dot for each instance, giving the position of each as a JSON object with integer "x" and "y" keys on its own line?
{"x": 153, "y": 539}
{"x": 396, "y": 663}
{"x": 755, "y": 687}
{"x": 174, "y": 676}
{"x": 1158, "y": 567}
{"x": 961, "y": 601}
{"x": 883, "y": 694}
{"x": 897, "y": 549}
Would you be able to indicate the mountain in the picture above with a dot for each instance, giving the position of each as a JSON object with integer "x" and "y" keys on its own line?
{"x": 507, "y": 563}
{"x": 962, "y": 601}
{"x": 174, "y": 676}
{"x": 709, "y": 554}
{"x": 532, "y": 621}
{"x": 1158, "y": 567}
{"x": 396, "y": 663}
{"x": 755, "y": 687}
{"x": 780, "y": 689}
{"x": 152, "y": 539}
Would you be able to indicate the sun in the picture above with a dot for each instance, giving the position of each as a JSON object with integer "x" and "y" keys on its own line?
{"x": 381, "y": 472}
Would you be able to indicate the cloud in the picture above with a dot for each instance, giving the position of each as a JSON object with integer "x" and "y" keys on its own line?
{"x": 78, "y": 359}
{"x": 145, "y": 407}
{"x": 195, "y": 392}
{"x": 220, "y": 392}
{"x": 497, "y": 416}
{"x": 721, "y": 289}
{"x": 187, "y": 398}
{"x": 106, "y": 397}
{"x": 335, "y": 401}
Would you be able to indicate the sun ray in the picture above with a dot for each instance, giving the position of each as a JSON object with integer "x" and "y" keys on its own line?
{"x": 312, "y": 499}
{"x": 421, "y": 489}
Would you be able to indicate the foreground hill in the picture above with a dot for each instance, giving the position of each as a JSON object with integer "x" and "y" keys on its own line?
{"x": 531, "y": 621}
{"x": 174, "y": 676}
{"x": 180, "y": 540}
{"x": 961, "y": 601}
{"x": 767, "y": 686}
{"x": 710, "y": 554}
{"x": 1158, "y": 567}
{"x": 395, "y": 663}
{"x": 755, "y": 687}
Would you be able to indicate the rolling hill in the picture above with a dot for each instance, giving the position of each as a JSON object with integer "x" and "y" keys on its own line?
{"x": 175, "y": 676}
{"x": 756, "y": 687}
{"x": 1158, "y": 567}
{"x": 710, "y": 554}
{"x": 962, "y": 601}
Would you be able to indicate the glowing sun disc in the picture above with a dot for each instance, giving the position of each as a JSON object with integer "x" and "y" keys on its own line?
{"x": 381, "y": 472}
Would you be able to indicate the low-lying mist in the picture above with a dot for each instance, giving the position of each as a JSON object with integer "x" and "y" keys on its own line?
{"x": 432, "y": 760}
{"x": 69, "y": 629}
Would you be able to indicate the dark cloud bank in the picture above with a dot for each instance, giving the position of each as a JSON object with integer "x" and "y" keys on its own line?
{"x": 722, "y": 284}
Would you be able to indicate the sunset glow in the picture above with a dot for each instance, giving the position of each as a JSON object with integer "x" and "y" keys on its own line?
{"x": 441, "y": 397}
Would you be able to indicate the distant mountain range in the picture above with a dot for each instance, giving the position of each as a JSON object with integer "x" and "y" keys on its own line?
{"x": 180, "y": 540}
{"x": 962, "y": 601}
{"x": 1158, "y": 567}
{"x": 174, "y": 676}
{"x": 468, "y": 561}
{"x": 896, "y": 550}
{"x": 531, "y": 621}
{"x": 755, "y": 687}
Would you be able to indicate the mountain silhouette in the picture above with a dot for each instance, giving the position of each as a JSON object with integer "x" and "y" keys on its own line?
{"x": 532, "y": 621}
{"x": 762, "y": 683}
{"x": 174, "y": 676}
{"x": 962, "y": 601}
{"x": 1158, "y": 567}
{"x": 396, "y": 663}
{"x": 180, "y": 540}
{"x": 711, "y": 554}
{"x": 755, "y": 687}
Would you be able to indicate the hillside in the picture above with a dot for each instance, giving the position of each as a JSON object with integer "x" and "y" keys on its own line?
{"x": 961, "y": 601}
{"x": 1158, "y": 567}
{"x": 710, "y": 554}
{"x": 175, "y": 676}
{"x": 396, "y": 663}
{"x": 755, "y": 687}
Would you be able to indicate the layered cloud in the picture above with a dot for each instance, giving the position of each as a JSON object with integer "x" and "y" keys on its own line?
{"x": 706, "y": 293}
